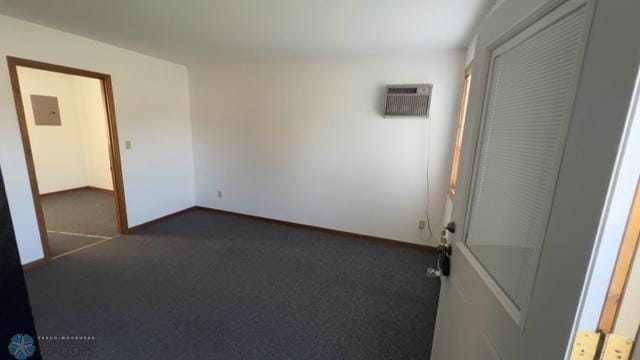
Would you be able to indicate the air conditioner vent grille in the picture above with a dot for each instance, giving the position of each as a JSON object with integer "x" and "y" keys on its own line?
{"x": 408, "y": 100}
{"x": 407, "y": 90}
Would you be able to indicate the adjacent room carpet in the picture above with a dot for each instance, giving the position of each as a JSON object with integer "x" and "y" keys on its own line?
{"x": 71, "y": 215}
{"x": 203, "y": 285}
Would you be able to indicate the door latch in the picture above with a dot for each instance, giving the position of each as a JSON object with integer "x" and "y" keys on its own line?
{"x": 451, "y": 227}
{"x": 443, "y": 262}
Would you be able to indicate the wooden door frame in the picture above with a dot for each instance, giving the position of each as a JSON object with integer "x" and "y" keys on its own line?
{"x": 114, "y": 150}
{"x": 457, "y": 145}
{"x": 624, "y": 262}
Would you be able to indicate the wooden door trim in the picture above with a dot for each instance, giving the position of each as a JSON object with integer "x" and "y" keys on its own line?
{"x": 622, "y": 269}
{"x": 457, "y": 144}
{"x": 114, "y": 150}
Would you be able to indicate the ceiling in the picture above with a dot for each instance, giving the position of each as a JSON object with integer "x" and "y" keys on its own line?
{"x": 198, "y": 32}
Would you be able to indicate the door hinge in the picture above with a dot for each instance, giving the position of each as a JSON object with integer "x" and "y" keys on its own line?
{"x": 617, "y": 347}
{"x": 591, "y": 345}
{"x": 585, "y": 346}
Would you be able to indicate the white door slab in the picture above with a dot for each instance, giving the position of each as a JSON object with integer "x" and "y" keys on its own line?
{"x": 541, "y": 141}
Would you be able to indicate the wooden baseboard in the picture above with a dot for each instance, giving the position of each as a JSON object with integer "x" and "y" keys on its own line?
{"x": 133, "y": 229}
{"x": 78, "y": 189}
{"x": 32, "y": 264}
{"x": 107, "y": 191}
{"x": 322, "y": 229}
{"x": 65, "y": 191}
{"x": 136, "y": 228}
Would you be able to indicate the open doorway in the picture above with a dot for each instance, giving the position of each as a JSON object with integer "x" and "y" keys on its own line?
{"x": 69, "y": 135}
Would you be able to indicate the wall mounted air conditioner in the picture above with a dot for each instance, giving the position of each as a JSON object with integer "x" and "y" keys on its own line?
{"x": 408, "y": 100}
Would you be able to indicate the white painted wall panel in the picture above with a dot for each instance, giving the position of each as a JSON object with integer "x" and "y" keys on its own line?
{"x": 95, "y": 133}
{"x": 58, "y": 151}
{"x": 305, "y": 141}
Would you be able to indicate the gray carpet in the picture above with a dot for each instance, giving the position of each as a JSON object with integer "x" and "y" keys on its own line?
{"x": 212, "y": 286}
{"x": 69, "y": 214}
{"x": 83, "y": 211}
{"x": 63, "y": 243}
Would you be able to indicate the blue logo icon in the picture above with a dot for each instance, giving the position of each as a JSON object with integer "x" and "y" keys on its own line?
{"x": 21, "y": 346}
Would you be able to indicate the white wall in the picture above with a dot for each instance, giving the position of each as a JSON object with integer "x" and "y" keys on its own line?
{"x": 471, "y": 51}
{"x": 152, "y": 110}
{"x": 75, "y": 154}
{"x": 58, "y": 151}
{"x": 305, "y": 141}
{"x": 628, "y": 318}
{"x": 95, "y": 133}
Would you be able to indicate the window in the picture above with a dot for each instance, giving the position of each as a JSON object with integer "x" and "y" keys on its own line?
{"x": 460, "y": 128}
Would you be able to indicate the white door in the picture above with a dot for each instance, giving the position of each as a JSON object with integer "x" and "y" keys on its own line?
{"x": 536, "y": 163}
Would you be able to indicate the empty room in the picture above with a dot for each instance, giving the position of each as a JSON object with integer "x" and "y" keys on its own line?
{"x": 416, "y": 179}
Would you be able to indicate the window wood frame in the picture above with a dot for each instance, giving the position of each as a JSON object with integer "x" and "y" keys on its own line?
{"x": 457, "y": 148}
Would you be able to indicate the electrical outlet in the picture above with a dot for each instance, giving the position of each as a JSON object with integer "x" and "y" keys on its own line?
{"x": 219, "y": 193}
{"x": 127, "y": 144}
{"x": 421, "y": 224}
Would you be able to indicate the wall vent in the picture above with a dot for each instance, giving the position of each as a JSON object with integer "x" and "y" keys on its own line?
{"x": 408, "y": 100}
